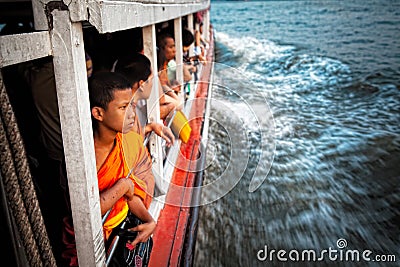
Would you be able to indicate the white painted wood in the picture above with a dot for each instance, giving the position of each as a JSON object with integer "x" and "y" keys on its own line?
{"x": 153, "y": 106}
{"x": 19, "y": 48}
{"x": 170, "y": 1}
{"x": 73, "y": 101}
{"x": 206, "y": 25}
{"x": 156, "y": 206}
{"x": 39, "y": 15}
{"x": 191, "y": 52}
{"x": 78, "y": 10}
{"x": 170, "y": 163}
{"x": 179, "y": 56}
{"x": 190, "y": 28}
{"x": 111, "y": 16}
{"x": 204, "y": 134}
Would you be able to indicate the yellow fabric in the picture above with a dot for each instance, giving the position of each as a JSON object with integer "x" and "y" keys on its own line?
{"x": 137, "y": 155}
{"x": 180, "y": 126}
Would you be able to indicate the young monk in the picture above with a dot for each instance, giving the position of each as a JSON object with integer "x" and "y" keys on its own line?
{"x": 118, "y": 149}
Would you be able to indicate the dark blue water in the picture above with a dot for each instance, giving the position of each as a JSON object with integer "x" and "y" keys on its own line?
{"x": 306, "y": 105}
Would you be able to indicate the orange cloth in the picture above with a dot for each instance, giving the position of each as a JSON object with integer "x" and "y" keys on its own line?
{"x": 116, "y": 167}
{"x": 128, "y": 149}
{"x": 163, "y": 74}
{"x": 137, "y": 155}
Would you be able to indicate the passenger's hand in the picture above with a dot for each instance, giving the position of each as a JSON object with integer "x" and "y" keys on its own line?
{"x": 144, "y": 230}
{"x": 165, "y": 133}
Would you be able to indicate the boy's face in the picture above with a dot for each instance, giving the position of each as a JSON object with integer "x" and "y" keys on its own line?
{"x": 119, "y": 115}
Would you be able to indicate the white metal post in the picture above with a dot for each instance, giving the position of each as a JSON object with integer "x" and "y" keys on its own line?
{"x": 179, "y": 56}
{"x": 73, "y": 102}
{"x": 153, "y": 107}
{"x": 206, "y": 25}
{"x": 190, "y": 28}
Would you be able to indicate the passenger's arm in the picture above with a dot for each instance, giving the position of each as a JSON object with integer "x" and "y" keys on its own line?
{"x": 162, "y": 131}
{"x": 166, "y": 109}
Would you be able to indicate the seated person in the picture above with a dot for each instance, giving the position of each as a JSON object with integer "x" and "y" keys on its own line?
{"x": 166, "y": 54}
{"x": 137, "y": 68}
{"x": 118, "y": 149}
{"x": 189, "y": 65}
{"x": 200, "y": 44}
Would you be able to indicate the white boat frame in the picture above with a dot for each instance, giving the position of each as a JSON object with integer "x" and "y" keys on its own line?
{"x": 59, "y": 34}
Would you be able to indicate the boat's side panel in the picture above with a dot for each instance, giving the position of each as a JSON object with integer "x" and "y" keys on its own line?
{"x": 19, "y": 48}
{"x": 169, "y": 236}
{"x": 77, "y": 134}
{"x": 153, "y": 110}
{"x": 111, "y": 16}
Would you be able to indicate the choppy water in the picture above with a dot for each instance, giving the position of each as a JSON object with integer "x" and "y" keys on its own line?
{"x": 329, "y": 74}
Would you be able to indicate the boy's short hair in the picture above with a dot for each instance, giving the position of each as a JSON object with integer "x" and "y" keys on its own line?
{"x": 136, "y": 67}
{"x": 187, "y": 37}
{"x": 102, "y": 86}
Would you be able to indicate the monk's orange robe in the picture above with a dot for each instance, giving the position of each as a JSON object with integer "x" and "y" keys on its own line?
{"x": 140, "y": 157}
{"x": 128, "y": 152}
{"x": 125, "y": 155}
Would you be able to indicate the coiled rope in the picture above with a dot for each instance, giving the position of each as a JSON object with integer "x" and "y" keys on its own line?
{"x": 20, "y": 191}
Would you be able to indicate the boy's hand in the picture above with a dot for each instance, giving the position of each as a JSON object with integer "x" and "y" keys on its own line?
{"x": 144, "y": 232}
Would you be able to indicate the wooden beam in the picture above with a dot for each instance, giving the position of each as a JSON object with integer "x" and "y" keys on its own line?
{"x": 19, "y": 48}
{"x": 78, "y": 10}
{"x": 190, "y": 28}
{"x": 206, "y": 25}
{"x": 76, "y": 126}
{"x": 111, "y": 16}
{"x": 39, "y": 15}
{"x": 179, "y": 56}
{"x": 153, "y": 107}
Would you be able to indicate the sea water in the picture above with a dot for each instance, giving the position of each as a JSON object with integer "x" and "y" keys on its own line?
{"x": 305, "y": 126}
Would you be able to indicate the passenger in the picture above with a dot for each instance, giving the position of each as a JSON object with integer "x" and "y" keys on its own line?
{"x": 170, "y": 66}
{"x": 189, "y": 62}
{"x": 116, "y": 146}
{"x": 137, "y": 68}
{"x": 200, "y": 45}
{"x": 114, "y": 151}
{"x": 166, "y": 53}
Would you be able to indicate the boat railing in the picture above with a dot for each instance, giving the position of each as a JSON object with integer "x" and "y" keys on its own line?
{"x": 162, "y": 182}
{"x": 59, "y": 33}
{"x": 169, "y": 157}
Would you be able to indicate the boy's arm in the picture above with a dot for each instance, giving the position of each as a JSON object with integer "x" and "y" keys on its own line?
{"x": 124, "y": 187}
{"x": 146, "y": 229}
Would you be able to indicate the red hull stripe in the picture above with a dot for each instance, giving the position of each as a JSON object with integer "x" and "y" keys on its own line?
{"x": 169, "y": 235}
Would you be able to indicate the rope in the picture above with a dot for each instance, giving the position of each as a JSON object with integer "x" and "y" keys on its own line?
{"x": 20, "y": 190}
